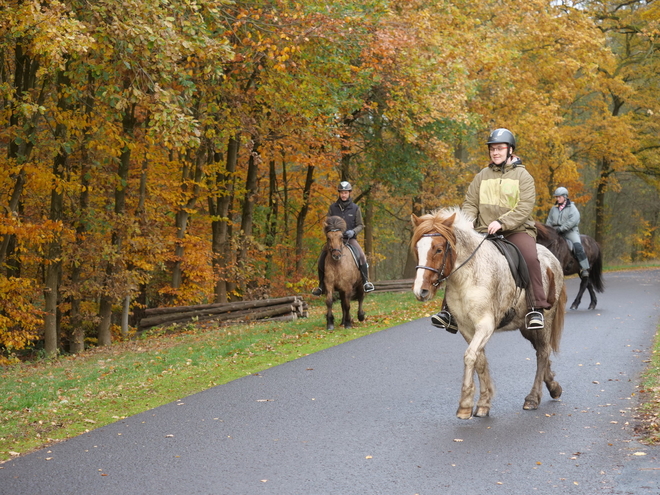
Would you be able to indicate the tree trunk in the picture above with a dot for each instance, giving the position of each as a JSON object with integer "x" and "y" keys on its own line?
{"x": 219, "y": 209}
{"x": 54, "y": 264}
{"x": 247, "y": 216}
{"x": 302, "y": 216}
{"x": 271, "y": 218}
{"x": 104, "y": 333}
{"x": 369, "y": 235}
{"x": 409, "y": 270}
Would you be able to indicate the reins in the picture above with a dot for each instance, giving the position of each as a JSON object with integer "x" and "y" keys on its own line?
{"x": 441, "y": 272}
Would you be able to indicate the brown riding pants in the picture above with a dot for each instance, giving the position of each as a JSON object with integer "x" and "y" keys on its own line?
{"x": 527, "y": 246}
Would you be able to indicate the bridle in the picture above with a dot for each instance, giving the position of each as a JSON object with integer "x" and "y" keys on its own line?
{"x": 441, "y": 273}
{"x": 340, "y": 250}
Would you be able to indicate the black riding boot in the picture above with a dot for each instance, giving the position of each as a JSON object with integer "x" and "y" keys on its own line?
{"x": 582, "y": 259}
{"x": 321, "y": 288}
{"x": 364, "y": 270}
{"x": 444, "y": 319}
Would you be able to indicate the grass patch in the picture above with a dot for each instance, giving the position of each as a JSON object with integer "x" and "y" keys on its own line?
{"x": 648, "y": 413}
{"x": 49, "y": 401}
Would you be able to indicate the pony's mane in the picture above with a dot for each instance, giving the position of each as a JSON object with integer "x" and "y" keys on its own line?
{"x": 434, "y": 223}
{"x": 546, "y": 233}
{"x": 334, "y": 223}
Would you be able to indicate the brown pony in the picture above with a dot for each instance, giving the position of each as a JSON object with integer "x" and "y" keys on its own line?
{"x": 483, "y": 298}
{"x": 550, "y": 238}
{"x": 341, "y": 274}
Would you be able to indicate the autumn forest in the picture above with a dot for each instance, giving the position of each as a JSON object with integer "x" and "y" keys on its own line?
{"x": 171, "y": 152}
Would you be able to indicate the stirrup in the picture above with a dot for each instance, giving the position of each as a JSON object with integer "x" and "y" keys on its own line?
{"x": 368, "y": 286}
{"x": 584, "y": 273}
{"x": 534, "y": 320}
{"x": 317, "y": 291}
{"x": 444, "y": 320}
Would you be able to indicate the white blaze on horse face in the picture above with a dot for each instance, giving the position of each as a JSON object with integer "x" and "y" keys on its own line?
{"x": 423, "y": 248}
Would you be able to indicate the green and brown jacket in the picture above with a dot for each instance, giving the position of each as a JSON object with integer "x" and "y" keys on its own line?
{"x": 506, "y": 194}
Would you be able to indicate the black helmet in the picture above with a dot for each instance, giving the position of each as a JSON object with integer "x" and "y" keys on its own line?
{"x": 561, "y": 191}
{"x": 502, "y": 136}
{"x": 344, "y": 186}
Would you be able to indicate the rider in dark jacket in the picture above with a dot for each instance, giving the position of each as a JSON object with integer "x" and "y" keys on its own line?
{"x": 350, "y": 212}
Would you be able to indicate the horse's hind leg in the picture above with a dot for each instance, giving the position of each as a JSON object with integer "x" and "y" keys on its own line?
{"x": 544, "y": 373}
{"x": 592, "y": 293}
{"x": 578, "y": 299}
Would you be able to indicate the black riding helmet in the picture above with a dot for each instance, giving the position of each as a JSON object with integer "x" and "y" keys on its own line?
{"x": 503, "y": 136}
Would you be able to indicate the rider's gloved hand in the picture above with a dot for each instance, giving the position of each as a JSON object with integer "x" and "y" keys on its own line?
{"x": 349, "y": 234}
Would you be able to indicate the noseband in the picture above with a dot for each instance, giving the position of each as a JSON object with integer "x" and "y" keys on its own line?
{"x": 441, "y": 278}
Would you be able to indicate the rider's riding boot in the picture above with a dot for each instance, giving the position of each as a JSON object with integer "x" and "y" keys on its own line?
{"x": 534, "y": 320}
{"x": 319, "y": 290}
{"x": 582, "y": 259}
{"x": 444, "y": 319}
{"x": 364, "y": 270}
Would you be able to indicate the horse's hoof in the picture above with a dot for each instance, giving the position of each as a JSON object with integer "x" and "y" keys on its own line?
{"x": 482, "y": 412}
{"x": 464, "y": 413}
{"x": 348, "y": 325}
{"x": 530, "y": 405}
{"x": 555, "y": 391}
{"x": 592, "y": 306}
{"x": 330, "y": 327}
{"x": 361, "y": 316}
{"x": 574, "y": 306}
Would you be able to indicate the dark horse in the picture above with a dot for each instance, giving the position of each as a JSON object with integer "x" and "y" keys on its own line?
{"x": 547, "y": 236}
{"x": 341, "y": 273}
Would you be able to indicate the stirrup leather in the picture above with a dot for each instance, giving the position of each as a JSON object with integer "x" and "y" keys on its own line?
{"x": 534, "y": 320}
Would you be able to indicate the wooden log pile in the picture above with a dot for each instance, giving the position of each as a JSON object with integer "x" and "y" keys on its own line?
{"x": 281, "y": 309}
{"x": 401, "y": 285}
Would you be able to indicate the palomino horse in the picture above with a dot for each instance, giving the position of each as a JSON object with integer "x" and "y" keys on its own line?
{"x": 550, "y": 238}
{"x": 341, "y": 274}
{"x": 483, "y": 298}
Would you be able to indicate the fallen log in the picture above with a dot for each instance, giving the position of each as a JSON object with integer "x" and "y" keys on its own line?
{"x": 250, "y": 313}
{"x": 233, "y": 306}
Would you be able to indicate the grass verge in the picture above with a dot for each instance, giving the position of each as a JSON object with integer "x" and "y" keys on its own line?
{"x": 49, "y": 401}
{"x": 648, "y": 413}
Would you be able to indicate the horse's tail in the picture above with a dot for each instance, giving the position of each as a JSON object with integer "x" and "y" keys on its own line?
{"x": 560, "y": 311}
{"x": 596, "y": 273}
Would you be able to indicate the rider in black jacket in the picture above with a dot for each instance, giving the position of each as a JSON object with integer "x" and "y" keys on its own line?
{"x": 350, "y": 212}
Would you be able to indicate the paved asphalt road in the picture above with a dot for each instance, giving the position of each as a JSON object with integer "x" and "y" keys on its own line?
{"x": 376, "y": 416}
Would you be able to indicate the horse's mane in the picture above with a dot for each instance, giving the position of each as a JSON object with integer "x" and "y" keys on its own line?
{"x": 546, "y": 233}
{"x": 434, "y": 222}
{"x": 334, "y": 223}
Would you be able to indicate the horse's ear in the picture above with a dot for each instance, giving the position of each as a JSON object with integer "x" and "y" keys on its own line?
{"x": 415, "y": 220}
{"x": 449, "y": 221}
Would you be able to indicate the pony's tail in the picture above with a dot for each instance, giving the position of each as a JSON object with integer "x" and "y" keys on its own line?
{"x": 596, "y": 273}
{"x": 560, "y": 310}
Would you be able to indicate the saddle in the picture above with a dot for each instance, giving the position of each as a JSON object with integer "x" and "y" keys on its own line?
{"x": 517, "y": 263}
{"x": 355, "y": 255}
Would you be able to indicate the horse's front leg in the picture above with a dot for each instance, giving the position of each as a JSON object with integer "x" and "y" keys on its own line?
{"x": 475, "y": 360}
{"x": 578, "y": 299}
{"x": 329, "y": 317}
{"x": 346, "y": 309}
{"x": 361, "y": 314}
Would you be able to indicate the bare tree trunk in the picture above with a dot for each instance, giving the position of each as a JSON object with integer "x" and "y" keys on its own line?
{"x": 300, "y": 224}
{"x": 247, "y": 216}
{"x": 603, "y": 182}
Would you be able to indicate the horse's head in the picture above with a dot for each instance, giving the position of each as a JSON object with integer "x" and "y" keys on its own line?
{"x": 433, "y": 243}
{"x": 334, "y": 228}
